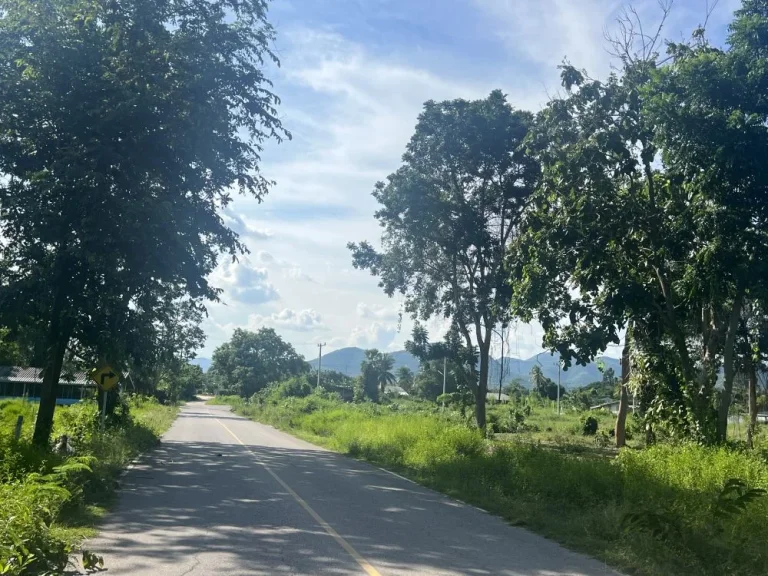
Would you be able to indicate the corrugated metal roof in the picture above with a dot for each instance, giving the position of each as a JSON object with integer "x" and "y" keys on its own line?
{"x": 35, "y": 376}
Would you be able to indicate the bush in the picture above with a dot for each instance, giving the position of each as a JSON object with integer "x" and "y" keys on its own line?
{"x": 589, "y": 426}
{"x": 27, "y": 545}
{"x": 39, "y": 488}
{"x": 295, "y": 387}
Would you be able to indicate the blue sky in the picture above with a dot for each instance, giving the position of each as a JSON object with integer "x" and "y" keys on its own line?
{"x": 353, "y": 77}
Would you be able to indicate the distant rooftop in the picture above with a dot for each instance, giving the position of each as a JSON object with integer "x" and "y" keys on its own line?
{"x": 35, "y": 376}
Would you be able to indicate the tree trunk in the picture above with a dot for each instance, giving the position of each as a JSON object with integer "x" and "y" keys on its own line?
{"x": 482, "y": 385}
{"x": 728, "y": 368}
{"x": 752, "y": 401}
{"x": 621, "y": 419}
{"x": 58, "y": 346}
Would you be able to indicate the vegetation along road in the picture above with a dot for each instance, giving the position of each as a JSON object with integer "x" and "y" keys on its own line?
{"x": 225, "y": 495}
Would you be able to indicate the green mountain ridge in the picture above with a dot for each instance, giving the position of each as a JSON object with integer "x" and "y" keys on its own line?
{"x": 347, "y": 361}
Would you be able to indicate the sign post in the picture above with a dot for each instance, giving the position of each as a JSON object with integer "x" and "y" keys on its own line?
{"x": 106, "y": 378}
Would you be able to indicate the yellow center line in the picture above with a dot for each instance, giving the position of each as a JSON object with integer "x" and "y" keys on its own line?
{"x": 364, "y": 564}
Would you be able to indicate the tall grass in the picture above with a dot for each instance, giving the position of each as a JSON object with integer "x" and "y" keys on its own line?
{"x": 579, "y": 498}
{"x": 47, "y": 499}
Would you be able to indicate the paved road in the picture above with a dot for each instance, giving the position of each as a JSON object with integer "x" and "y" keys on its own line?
{"x": 224, "y": 495}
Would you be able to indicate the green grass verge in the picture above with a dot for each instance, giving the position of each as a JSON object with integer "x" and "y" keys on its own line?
{"x": 50, "y": 502}
{"x": 654, "y": 511}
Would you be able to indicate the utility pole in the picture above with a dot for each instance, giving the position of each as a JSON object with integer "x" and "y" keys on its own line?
{"x": 444, "y": 377}
{"x": 444, "y": 372}
{"x": 319, "y": 361}
{"x": 559, "y": 366}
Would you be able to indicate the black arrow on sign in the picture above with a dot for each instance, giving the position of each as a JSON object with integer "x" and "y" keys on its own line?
{"x": 108, "y": 375}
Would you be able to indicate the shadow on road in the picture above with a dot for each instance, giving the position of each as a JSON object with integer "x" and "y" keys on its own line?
{"x": 215, "y": 502}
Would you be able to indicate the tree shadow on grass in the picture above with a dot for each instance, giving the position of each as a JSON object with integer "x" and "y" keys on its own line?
{"x": 206, "y": 507}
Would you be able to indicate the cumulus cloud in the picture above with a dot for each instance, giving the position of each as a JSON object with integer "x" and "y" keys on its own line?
{"x": 378, "y": 312}
{"x": 238, "y": 224}
{"x": 244, "y": 283}
{"x": 289, "y": 269}
{"x": 298, "y": 320}
{"x": 375, "y": 335}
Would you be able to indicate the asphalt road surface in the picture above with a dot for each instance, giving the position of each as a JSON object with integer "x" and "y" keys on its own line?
{"x": 224, "y": 495}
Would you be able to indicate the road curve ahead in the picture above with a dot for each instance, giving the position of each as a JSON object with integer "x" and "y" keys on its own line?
{"x": 224, "y": 495}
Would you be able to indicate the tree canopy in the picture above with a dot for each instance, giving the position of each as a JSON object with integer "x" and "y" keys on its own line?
{"x": 250, "y": 361}
{"x": 651, "y": 210}
{"x": 449, "y": 214}
{"x": 125, "y": 125}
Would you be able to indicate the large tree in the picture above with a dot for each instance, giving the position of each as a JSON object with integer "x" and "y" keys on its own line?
{"x": 652, "y": 211}
{"x": 250, "y": 361}
{"x": 124, "y": 126}
{"x": 449, "y": 214}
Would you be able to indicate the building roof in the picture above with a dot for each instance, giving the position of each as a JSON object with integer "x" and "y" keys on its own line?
{"x": 35, "y": 376}
{"x": 606, "y": 403}
{"x": 395, "y": 389}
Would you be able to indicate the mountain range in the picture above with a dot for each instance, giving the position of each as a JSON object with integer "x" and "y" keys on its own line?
{"x": 348, "y": 360}
{"x": 204, "y": 363}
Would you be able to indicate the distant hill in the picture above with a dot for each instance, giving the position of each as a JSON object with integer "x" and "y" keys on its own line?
{"x": 348, "y": 360}
{"x": 574, "y": 377}
{"x": 204, "y": 363}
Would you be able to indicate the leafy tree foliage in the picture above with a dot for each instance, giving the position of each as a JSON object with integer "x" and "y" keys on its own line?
{"x": 334, "y": 378}
{"x": 376, "y": 372}
{"x": 250, "y": 361}
{"x": 124, "y": 126}
{"x": 404, "y": 376}
{"x": 544, "y": 386}
{"x": 438, "y": 360}
{"x": 11, "y": 353}
{"x": 449, "y": 214}
{"x": 183, "y": 383}
{"x": 652, "y": 211}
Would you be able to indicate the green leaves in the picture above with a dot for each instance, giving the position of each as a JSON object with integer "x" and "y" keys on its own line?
{"x": 661, "y": 526}
{"x": 649, "y": 206}
{"x": 250, "y": 361}
{"x": 449, "y": 213}
{"x": 734, "y": 498}
{"x": 92, "y": 562}
{"x": 124, "y": 127}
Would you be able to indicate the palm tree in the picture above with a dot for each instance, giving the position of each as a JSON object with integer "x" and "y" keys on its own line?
{"x": 405, "y": 378}
{"x": 384, "y": 367}
{"x": 377, "y": 372}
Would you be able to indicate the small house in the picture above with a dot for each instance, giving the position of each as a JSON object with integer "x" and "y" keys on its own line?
{"x": 607, "y": 404}
{"x": 18, "y": 382}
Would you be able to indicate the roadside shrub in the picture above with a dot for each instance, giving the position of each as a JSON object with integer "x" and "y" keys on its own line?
{"x": 296, "y": 387}
{"x": 27, "y": 544}
{"x": 39, "y": 488}
{"x": 589, "y": 426}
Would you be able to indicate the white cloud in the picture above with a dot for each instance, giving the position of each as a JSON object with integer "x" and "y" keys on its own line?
{"x": 288, "y": 319}
{"x": 289, "y": 269}
{"x": 378, "y": 312}
{"x": 546, "y": 31}
{"x": 244, "y": 283}
{"x": 375, "y": 335}
{"x": 239, "y": 225}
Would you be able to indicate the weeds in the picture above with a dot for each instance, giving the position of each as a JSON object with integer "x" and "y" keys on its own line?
{"x": 45, "y": 497}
